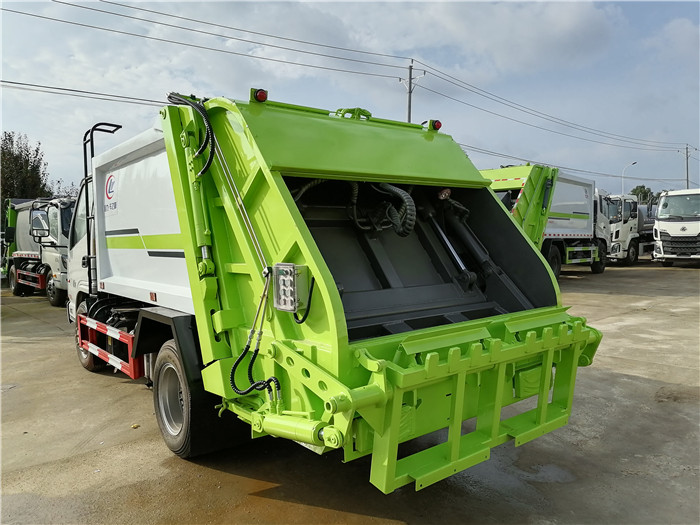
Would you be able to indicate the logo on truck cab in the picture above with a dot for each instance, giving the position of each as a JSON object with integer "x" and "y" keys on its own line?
{"x": 110, "y": 206}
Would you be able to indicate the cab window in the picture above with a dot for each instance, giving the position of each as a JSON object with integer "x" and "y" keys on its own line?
{"x": 53, "y": 222}
{"x": 79, "y": 224}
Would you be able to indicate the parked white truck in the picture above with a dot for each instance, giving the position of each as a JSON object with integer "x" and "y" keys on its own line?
{"x": 630, "y": 229}
{"x": 37, "y": 262}
{"x": 677, "y": 227}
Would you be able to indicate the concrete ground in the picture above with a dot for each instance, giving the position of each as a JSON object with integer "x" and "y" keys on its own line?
{"x": 85, "y": 448}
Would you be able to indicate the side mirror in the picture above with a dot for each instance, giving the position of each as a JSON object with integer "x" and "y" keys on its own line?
{"x": 39, "y": 221}
{"x": 633, "y": 214}
{"x": 9, "y": 234}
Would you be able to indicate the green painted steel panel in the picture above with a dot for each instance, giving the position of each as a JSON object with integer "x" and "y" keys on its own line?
{"x": 294, "y": 140}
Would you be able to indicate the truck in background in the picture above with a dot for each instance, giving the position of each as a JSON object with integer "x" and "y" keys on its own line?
{"x": 631, "y": 229}
{"x": 37, "y": 262}
{"x": 274, "y": 263}
{"x": 677, "y": 227}
{"x": 558, "y": 212}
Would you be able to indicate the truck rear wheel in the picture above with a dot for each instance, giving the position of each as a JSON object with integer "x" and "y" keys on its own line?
{"x": 554, "y": 260}
{"x": 186, "y": 413}
{"x": 89, "y": 361}
{"x": 599, "y": 265}
{"x": 56, "y": 296}
{"x": 16, "y": 288}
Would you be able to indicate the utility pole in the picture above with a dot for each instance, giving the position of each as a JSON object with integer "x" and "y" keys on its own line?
{"x": 410, "y": 90}
{"x": 410, "y": 84}
{"x": 687, "y": 172}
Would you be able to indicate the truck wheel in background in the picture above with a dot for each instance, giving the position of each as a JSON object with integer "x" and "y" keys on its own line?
{"x": 55, "y": 296}
{"x": 15, "y": 287}
{"x": 667, "y": 263}
{"x": 186, "y": 413}
{"x": 554, "y": 260}
{"x": 599, "y": 266}
{"x": 89, "y": 361}
{"x": 632, "y": 253}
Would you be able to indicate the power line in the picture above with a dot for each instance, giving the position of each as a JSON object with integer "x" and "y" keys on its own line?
{"x": 111, "y": 97}
{"x": 156, "y": 39}
{"x": 188, "y": 19}
{"x": 491, "y": 96}
{"x": 209, "y": 33}
{"x": 540, "y": 127}
{"x": 437, "y": 73}
{"x": 566, "y": 168}
{"x": 54, "y": 90}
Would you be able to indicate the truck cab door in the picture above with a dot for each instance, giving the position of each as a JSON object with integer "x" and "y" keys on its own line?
{"x": 78, "y": 249}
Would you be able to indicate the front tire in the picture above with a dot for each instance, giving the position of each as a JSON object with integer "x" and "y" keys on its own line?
{"x": 56, "y": 296}
{"x": 89, "y": 360}
{"x": 667, "y": 263}
{"x": 632, "y": 253}
{"x": 186, "y": 413}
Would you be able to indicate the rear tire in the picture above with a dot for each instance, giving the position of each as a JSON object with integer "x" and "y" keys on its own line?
{"x": 17, "y": 289}
{"x": 554, "y": 260}
{"x": 666, "y": 263}
{"x": 56, "y": 296}
{"x": 186, "y": 413}
{"x": 89, "y": 360}
{"x": 599, "y": 266}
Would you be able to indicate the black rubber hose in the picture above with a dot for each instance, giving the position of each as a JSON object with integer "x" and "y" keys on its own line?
{"x": 307, "y": 187}
{"x": 297, "y": 320}
{"x": 403, "y": 226}
{"x": 255, "y": 385}
{"x": 209, "y": 134}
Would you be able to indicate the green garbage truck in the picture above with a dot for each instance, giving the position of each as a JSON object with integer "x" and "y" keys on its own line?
{"x": 564, "y": 216}
{"x": 329, "y": 277}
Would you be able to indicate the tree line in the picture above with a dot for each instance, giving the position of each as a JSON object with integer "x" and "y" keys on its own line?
{"x": 24, "y": 172}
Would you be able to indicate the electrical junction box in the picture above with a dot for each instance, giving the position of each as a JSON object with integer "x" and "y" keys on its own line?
{"x": 290, "y": 287}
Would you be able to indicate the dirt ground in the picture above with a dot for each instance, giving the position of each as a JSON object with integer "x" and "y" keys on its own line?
{"x": 79, "y": 447}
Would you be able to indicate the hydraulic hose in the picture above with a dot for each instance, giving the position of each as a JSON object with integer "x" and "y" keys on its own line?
{"x": 255, "y": 385}
{"x": 201, "y": 110}
{"x": 404, "y": 219}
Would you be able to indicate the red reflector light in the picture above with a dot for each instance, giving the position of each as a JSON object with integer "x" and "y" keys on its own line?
{"x": 437, "y": 125}
{"x": 260, "y": 95}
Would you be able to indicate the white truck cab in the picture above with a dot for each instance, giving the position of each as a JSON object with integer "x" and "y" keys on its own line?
{"x": 677, "y": 226}
{"x": 630, "y": 229}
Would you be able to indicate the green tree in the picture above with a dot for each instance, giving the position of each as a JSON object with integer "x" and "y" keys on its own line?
{"x": 23, "y": 171}
{"x": 644, "y": 194}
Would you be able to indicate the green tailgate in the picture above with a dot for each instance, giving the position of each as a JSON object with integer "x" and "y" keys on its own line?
{"x": 534, "y": 186}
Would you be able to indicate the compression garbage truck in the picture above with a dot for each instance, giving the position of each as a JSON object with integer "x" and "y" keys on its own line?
{"x": 677, "y": 227}
{"x": 558, "y": 212}
{"x": 336, "y": 279}
{"x": 35, "y": 244}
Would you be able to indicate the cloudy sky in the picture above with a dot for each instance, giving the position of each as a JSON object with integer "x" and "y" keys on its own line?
{"x": 587, "y": 86}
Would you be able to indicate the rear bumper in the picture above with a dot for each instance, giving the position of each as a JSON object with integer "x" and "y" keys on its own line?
{"x": 473, "y": 377}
